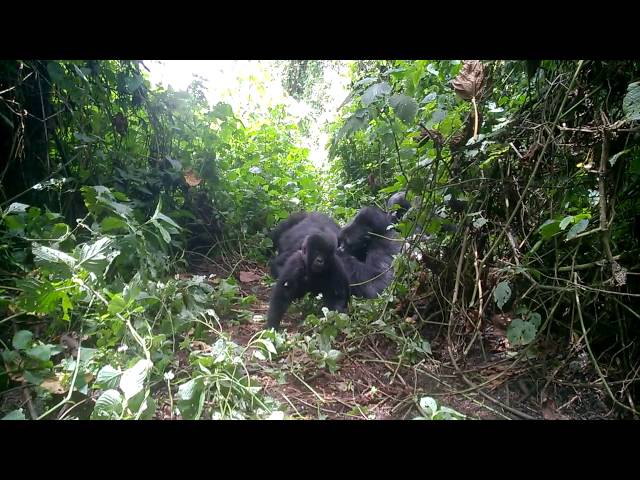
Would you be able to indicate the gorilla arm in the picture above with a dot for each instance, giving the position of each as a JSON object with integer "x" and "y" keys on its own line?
{"x": 289, "y": 287}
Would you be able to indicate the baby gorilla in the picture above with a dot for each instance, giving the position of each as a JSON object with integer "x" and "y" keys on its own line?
{"x": 367, "y": 247}
{"x": 398, "y": 205}
{"x": 370, "y": 226}
{"x": 312, "y": 269}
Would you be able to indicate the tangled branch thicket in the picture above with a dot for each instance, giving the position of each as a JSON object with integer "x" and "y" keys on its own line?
{"x": 571, "y": 161}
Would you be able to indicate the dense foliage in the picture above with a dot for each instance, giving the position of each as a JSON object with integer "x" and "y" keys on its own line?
{"x": 524, "y": 179}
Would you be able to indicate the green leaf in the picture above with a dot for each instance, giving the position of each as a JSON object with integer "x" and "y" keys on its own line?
{"x": 437, "y": 116}
{"x": 521, "y": 332}
{"x": 94, "y": 257}
{"x": 15, "y": 415}
{"x": 51, "y": 255}
{"x": 109, "y": 405}
{"x": 56, "y": 71}
{"x": 187, "y": 390}
{"x": 428, "y": 406}
{"x": 566, "y": 221}
{"x": 352, "y": 124}
{"x": 404, "y": 106}
{"x": 117, "y": 304}
{"x": 479, "y": 222}
{"x": 631, "y": 102}
{"x": 108, "y": 377}
{"x": 577, "y": 228}
{"x": 40, "y": 352}
{"x": 429, "y": 98}
{"x": 112, "y": 223}
{"x": 34, "y": 377}
{"x": 374, "y": 91}
{"x": 83, "y": 138}
{"x": 615, "y": 157}
{"x": 502, "y": 294}
{"x": 16, "y": 207}
{"x": 190, "y": 399}
{"x": 132, "y": 380}
{"x": 535, "y": 319}
{"x": 22, "y": 339}
{"x": 10, "y": 357}
{"x": 133, "y": 83}
{"x": 549, "y": 229}
{"x": 165, "y": 235}
{"x": 222, "y": 111}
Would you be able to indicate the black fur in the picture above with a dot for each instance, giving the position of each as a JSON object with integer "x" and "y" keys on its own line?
{"x": 307, "y": 263}
{"x": 367, "y": 247}
{"x": 399, "y": 199}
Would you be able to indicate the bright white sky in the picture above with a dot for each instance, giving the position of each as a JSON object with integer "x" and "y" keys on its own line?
{"x": 252, "y": 86}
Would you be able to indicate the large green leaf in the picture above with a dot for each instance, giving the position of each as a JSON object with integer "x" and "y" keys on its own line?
{"x": 549, "y": 229}
{"x": 521, "y": 332}
{"x": 631, "y": 102}
{"x": 577, "y": 228}
{"x": 404, "y": 106}
{"x": 502, "y": 294}
{"x": 94, "y": 257}
{"x": 374, "y": 91}
{"x": 108, "y": 377}
{"x": 132, "y": 380}
{"x": 15, "y": 415}
{"x": 22, "y": 339}
{"x": 52, "y": 256}
{"x": 109, "y": 405}
{"x": 41, "y": 352}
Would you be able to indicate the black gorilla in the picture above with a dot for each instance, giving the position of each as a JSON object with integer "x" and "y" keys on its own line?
{"x": 367, "y": 246}
{"x": 371, "y": 227}
{"x": 307, "y": 263}
{"x": 289, "y": 235}
{"x": 399, "y": 199}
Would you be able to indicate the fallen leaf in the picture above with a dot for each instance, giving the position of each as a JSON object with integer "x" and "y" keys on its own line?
{"x": 53, "y": 385}
{"x": 247, "y": 277}
{"x": 191, "y": 178}
{"x": 471, "y": 81}
{"x": 549, "y": 411}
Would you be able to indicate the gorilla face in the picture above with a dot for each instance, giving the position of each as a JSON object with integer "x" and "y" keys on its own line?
{"x": 318, "y": 249}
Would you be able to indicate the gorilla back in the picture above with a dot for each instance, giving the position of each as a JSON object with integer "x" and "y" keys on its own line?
{"x": 367, "y": 247}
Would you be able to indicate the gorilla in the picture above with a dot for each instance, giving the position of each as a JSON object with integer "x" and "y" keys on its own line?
{"x": 288, "y": 236}
{"x": 371, "y": 227}
{"x": 399, "y": 199}
{"x": 307, "y": 263}
{"x": 366, "y": 247}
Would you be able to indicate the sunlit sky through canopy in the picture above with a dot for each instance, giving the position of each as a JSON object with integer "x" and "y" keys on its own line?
{"x": 252, "y": 86}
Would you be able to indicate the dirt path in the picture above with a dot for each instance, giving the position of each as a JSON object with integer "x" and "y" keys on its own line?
{"x": 371, "y": 384}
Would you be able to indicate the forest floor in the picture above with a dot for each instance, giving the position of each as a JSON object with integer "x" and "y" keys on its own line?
{"x": 372, "y": 384}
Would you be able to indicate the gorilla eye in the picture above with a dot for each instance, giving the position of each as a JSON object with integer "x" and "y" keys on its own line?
{"x": 285, "y": 284}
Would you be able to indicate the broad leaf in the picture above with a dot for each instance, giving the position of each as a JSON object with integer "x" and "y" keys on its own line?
{"x": 521, "y": 332}
{"x": 374, "y": 91}
{"x": 15, "y": 415}
{"x": 631, "y": 102}
{"x": 109, "y": 405}
{"x": 22, "y": 339}
{"x": 404, "y": 106}
{"x": 502, "y": 294}
{"x": 577, "y": 228}
{"x": 132, "y": 380}
{"x": 108, "y": 377}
